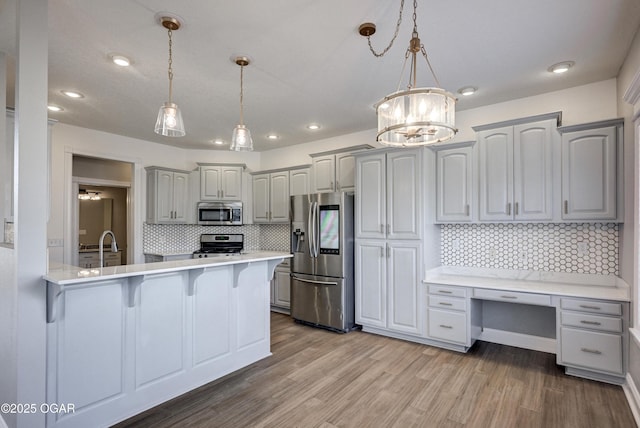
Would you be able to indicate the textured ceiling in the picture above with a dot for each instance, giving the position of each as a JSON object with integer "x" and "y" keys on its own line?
{"x": 309, "y": 64}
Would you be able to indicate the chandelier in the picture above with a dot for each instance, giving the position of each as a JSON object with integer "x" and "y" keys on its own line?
{"x": 169, "y": 122}
{"x": 414, "y": 116}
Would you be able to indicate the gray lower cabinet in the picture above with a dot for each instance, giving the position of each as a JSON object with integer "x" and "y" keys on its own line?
{"x": 281, "y": 288}
{"x": 92, "y": 259}
{"x": 448, "y": 315}
{"x": 592, "y": 337}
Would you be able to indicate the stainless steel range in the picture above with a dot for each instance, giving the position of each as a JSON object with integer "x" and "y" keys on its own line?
{"x": 216, "y": 245}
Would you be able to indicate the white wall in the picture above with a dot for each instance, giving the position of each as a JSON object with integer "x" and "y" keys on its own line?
{"x": 299, "y": 154}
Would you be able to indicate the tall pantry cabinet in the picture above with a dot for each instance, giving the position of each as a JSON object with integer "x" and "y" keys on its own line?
{"x": 388, "y": 250}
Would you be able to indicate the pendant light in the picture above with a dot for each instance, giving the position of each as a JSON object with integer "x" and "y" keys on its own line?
{"x": 241, "y": 139}
{"x": 169, "y": 122}
{"x": 415, "y": 116}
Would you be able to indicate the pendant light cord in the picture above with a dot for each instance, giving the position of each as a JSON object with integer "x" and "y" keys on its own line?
{"x": 395, "y": 35}
{"x": 411, "y": 50}
{"x": 170, "y": 71}
{"x": 241, "y": 94}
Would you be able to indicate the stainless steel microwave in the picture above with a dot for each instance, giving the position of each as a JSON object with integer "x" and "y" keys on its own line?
{"x": 220, "y": 213}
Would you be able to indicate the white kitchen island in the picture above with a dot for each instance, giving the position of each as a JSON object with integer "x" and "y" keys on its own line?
{"x": 123, "y": 339}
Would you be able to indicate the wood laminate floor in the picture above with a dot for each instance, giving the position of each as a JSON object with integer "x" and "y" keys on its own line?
{"x": 317, "y": 378}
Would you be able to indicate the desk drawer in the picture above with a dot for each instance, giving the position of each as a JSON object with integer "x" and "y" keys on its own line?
{"x": 448, "y": 326}
{"x": 593, "y": 322}
{"x": 443, "y": 290}
{"x": 592, "y": 350}
{"x": 513, "y": 297}
{"x": 453, "y": 303}
{"x": 591, "y": 306}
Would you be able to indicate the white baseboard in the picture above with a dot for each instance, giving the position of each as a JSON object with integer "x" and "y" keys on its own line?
{"x": 633, "y": 397}
{"x": 519, "y": 340}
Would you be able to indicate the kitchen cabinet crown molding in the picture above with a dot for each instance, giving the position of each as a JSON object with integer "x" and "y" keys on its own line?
{"x": 240, "y": 165}
{"x": 162, "y": 168}
{"x": 447, "y": 146}
{"x": 591, "y": 125}
{"x": 557, "y": 115}
{"x": 357, "y": 148}
{"x": 289, "y": 168}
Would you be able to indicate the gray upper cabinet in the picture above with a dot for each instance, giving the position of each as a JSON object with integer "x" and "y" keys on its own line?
{"x": 167, "y": 196}
{"x": 335, "y": 171}
{"x": 300, "y": 181}
{"x": 454, "y": 184}
{"x": 516, "y": 172}
{"x": 271, "y": 197}
{"x": 220, "y": 182}
{"x": 592, "y": 171}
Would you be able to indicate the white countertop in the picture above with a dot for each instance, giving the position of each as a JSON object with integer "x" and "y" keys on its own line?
{"x": 70, "y": 275}
{"x": 608, "y": 287}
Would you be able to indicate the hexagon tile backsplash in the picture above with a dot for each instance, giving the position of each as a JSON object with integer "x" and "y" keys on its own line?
{"x": 563, "y": 247}
{"x": 164, "y": 238}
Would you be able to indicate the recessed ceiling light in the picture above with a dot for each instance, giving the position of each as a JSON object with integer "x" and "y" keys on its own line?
{"x": 313, "y": 127}
{"x": 72, "y": 94}
{"x": 561, "y": 67}
{"x": 51, "y": 107}
{"x": 272, "y": 137}
{"x": 467, "y": 90}
{"x": 120, "y": 60}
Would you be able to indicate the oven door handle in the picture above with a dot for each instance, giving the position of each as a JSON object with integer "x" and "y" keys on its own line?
{"x": 312, "y": 281}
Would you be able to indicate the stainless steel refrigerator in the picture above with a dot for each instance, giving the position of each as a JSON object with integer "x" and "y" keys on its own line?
{"x": 322, "y": 273}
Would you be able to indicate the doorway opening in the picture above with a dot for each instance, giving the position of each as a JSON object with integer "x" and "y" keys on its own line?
{"x": 101, "y": 202}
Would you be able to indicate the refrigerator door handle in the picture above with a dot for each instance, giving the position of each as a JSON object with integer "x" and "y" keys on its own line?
{"x": 316, "y": 229}
{"x": 313, "y": 281}
{"x": 310, "y": 229}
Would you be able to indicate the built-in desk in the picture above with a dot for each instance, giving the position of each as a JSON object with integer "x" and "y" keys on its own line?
{"x": 582, "y": 318}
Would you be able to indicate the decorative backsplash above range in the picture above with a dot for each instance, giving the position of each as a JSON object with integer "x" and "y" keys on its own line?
{"x": 165, "y": 238}
{"x": 564, "y": 247}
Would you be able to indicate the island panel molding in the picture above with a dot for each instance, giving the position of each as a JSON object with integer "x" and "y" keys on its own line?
{"x": 127, "y": 338}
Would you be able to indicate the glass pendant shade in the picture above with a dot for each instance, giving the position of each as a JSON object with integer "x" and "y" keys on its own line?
{"x": 169, "y": 121}
{"x": 241, "y": 139}
{"x": 416, "y": 117}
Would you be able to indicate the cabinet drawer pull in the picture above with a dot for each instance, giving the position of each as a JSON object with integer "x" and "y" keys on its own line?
{"x": 445, "y": 304}
{"x": 591, "y": 351}
{"x": 382, "y": 228}
{"x": 595, "y": 308}
{"x": 388, "y": 228}
{"x": 515, "y": 208}
{"x": 508, "y": 208}
{"x": 445, "y": 291}
{"x": 566, "y": 207}
{"x": 506, "y": 296}
{"x": 445, "y": 326}
{"x": 590, "y": 322}
{"x": 466, "y": 210}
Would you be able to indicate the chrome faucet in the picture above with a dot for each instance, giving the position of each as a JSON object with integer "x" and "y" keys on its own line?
{"x": 114, "y": 246}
